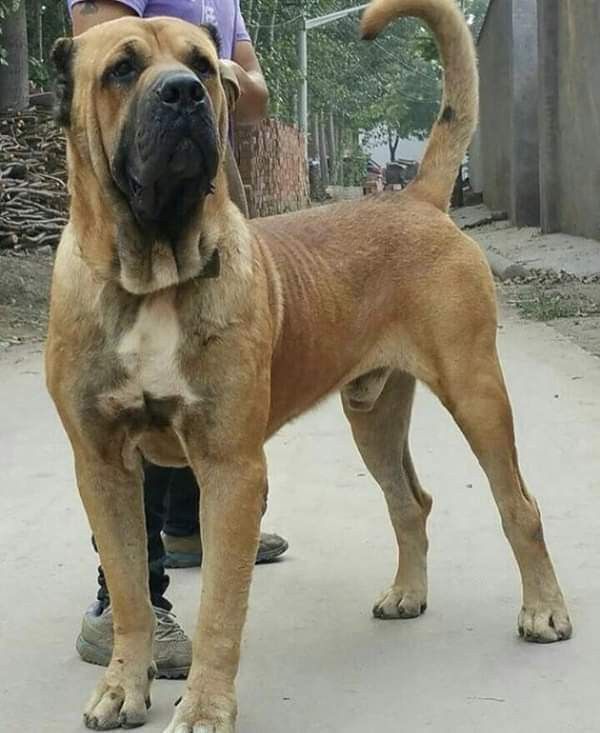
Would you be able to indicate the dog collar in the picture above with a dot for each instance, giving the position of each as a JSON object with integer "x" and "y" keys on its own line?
{"x": 212, "y": 268}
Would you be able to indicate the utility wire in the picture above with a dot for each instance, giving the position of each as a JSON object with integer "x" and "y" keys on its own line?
{"x": 406, "y": 64}
{"x": 257, "y": 26}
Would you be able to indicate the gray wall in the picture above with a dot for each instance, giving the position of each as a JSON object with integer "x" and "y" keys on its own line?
{"x": 570, "y": 116}
{"x": 537, "y": 152}
{"x": 495, "y": 106}
{"x": 505, "y": 153}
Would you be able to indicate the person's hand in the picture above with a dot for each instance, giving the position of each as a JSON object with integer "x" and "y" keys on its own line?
{"x": 254, "y": 95}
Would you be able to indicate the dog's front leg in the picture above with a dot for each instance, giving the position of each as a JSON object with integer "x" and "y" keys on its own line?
{"x": 112, "y": 496}
{"x": 232, "y": 496}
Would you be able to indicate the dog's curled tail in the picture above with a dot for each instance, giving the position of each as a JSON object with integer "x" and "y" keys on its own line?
{"x": 452, "y": 132}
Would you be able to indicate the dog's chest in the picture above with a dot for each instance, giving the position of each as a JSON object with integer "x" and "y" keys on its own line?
{"x": 149, "y": 354}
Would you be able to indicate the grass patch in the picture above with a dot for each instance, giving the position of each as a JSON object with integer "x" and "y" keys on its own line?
{"x": 548, "y": 305}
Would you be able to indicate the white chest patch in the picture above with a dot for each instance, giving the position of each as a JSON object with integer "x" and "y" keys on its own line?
{"x": 149, "y": 351}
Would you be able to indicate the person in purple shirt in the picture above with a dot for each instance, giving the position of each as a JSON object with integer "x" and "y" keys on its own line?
{"x": 225, "y": 15}
{"x": 171, "y": 498}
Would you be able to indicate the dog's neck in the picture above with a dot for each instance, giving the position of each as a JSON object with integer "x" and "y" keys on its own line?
{"x": 113, "y": 246}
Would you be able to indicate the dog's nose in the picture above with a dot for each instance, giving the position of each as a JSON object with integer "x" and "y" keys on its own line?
{"x": 182, "y": 92}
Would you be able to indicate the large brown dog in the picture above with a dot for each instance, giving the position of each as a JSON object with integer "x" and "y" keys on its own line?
{"x": 183, "y": 333}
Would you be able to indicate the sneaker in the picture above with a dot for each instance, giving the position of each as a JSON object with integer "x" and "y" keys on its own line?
{"x": 186, "y": 552}
{"x": 172, "y": 648}
{"x": 271, "y": 547}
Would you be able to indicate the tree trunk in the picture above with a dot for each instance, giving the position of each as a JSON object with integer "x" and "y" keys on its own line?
{"x": 274, "y": 108}
{"x": 331, "y": 148}
{"x": 323, "y": 151}
{"x": 40, "y": 31}
{"x": 249, "y": 14}
{"x": 272, "y": 29}
{"x": 458, "y": 198}
{"x": 314, "y": 138}
{"x": 14, "y": 77}
{"x": 393, "y": 141}
{"x": 340, "y": 147}
{"x": 257, "y": 30}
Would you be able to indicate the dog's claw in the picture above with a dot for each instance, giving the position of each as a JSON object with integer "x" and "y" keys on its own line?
{"x": 92, "y": 722}
{"x": 398, "y": 604}
{"x": 545, "y": 625}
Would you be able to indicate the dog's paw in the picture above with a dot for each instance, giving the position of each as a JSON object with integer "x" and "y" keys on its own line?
{"x": 202, "y": 726}
{"x": 121, "y": 699}
{"x": 397, "y": 603}
{"x": 204, "y": 712}
{"x": 544, "y": 624}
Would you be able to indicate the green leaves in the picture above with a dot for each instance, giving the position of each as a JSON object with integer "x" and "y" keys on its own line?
{"x": 386, "y": 84}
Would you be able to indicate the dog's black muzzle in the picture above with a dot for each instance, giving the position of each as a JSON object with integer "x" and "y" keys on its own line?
{"x": 168, "y": 152}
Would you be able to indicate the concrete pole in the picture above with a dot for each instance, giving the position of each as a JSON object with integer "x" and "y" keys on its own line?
{"x": 303, "y": 87}
{"x": 305, "y": 25}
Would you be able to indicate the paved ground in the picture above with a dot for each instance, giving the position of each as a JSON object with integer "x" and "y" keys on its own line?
{"x": 314, "y": 660}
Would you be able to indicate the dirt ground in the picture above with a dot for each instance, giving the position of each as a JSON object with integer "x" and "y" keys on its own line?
{"x": 571, "y": 306}
{"x": 568, "y": 303}
{"x": 24, "y": 287}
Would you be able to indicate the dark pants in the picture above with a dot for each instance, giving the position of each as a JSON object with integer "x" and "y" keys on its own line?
{"x": 171, "y": 502}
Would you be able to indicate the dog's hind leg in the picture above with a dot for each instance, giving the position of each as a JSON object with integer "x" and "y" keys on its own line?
{"x": 380, "y": 428}
{"x": 471, "y": 386}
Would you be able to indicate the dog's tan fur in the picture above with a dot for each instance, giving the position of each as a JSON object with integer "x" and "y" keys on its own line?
{"x": 364, "y": 297}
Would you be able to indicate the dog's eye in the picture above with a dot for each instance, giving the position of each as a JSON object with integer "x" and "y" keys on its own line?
{"x": 203, "y": 67}
{"x": 123, "y": 70}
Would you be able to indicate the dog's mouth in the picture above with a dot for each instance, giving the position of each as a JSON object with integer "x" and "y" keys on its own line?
{"x": 135, "y": 186}
{"x": 154, "y": 185}
{"x": 164, "y": 186}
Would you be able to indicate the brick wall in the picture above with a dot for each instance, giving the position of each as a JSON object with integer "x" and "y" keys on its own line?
{"x": 273, "y": 167}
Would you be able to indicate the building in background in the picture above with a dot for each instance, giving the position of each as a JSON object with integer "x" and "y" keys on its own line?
{"x": 536, "y": 153}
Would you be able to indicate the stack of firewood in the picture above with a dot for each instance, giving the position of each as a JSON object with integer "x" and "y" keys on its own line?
{"x": 33, "y": 191}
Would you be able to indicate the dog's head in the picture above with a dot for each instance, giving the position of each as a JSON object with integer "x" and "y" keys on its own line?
{"x": 145, "y": 108}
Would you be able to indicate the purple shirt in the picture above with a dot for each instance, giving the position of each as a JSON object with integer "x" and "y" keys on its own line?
{"x": 224, "y": 14}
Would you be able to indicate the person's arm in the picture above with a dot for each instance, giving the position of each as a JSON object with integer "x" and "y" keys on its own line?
{"x": 93, "y": 12}
{"x": 253, "y": 103}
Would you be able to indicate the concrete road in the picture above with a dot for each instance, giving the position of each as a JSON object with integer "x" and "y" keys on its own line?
{"x": 314, "y": 660}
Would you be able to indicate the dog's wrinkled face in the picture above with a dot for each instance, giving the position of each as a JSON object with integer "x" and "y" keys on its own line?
{"x": 144, "y": 101}
{"x": 168, "y": 149}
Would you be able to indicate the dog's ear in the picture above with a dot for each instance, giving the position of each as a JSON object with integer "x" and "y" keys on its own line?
{"x": 230, "y": 83}
{"x": 214, "y": 34}
{"x": 62, "y": 57}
